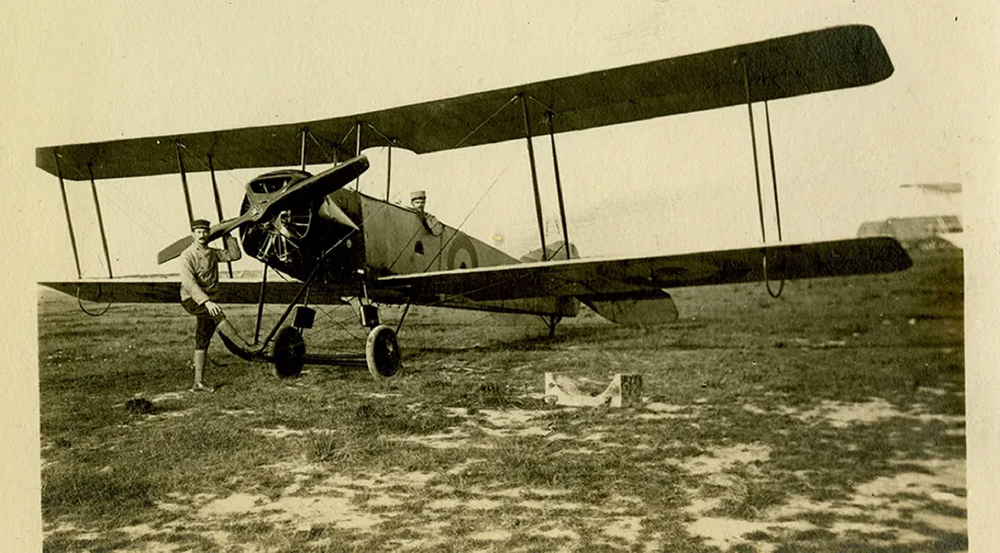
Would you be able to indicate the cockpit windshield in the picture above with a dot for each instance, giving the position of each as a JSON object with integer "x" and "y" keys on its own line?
{"x": 269, "y": 185}
{"x": 276, "y": 181}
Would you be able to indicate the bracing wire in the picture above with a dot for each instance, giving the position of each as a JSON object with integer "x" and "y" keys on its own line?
{"x": 221, "y": 166}
{"x": 459, "y": 143}
{"x": 334, "y": 321}
{"x": 124, "y": 210}
{"x": 543, "y": 106}
{"x": 460, "y": 225}
{"x": 354, "y": 128}
{"x": 485, "y": 121}
{"x": 330, "y": 159}
{"x": 84, "y": 309}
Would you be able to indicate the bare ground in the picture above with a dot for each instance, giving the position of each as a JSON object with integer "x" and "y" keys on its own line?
{"x": 832, "y": 418}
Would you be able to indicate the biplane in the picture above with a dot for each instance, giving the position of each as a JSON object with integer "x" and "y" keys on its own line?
{"x": 337, "y": 244}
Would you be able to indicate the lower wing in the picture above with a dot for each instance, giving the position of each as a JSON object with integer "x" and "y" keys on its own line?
{"x": 623, "y": 276}
{"x": 168, "y": 290}
{"x": 600, "y": 282}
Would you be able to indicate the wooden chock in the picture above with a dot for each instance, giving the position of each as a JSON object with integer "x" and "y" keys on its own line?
{"x": 625, "y": 390}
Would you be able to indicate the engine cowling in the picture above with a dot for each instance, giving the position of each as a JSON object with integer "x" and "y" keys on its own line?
{"x": 277, "y": 240}
{"x": 280, "y": 238}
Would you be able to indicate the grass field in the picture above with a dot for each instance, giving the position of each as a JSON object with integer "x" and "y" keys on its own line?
{"x": 829, "y": 419}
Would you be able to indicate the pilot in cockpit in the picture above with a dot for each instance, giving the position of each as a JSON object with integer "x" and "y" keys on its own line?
{"x": 418, "y": 199}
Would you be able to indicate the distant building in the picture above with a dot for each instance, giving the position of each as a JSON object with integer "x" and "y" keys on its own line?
{"x": 925, "y": 233}
{"x": 929, "y": 230}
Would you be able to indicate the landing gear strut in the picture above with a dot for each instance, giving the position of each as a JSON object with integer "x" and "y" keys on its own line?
{"x": 382, "y": 354}
{"x": 288, "y": 355}
{"x": 551, "y": 322}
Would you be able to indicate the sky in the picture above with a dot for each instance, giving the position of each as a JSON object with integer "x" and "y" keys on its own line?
{"x": 669, "y": 185}
{"x": 82, "y": 72}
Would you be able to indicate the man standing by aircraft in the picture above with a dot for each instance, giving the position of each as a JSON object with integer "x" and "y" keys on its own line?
{"x": 199, "y": 276}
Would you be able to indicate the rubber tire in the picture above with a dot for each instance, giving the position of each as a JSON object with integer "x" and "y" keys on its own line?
{"x": 289, "y": 353}
{"x": 382, "y": 352}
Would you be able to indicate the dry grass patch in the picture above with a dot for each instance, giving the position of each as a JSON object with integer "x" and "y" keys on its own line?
{"x": 826, "y": 421}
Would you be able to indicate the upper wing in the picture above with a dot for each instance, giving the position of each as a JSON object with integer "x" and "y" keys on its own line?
{"x": 167, "y": 290}
{"x": 817, "y": 61}
{"x": 620, "y": 277}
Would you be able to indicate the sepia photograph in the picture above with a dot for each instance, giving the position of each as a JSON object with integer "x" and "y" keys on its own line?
{"x": 499, "y": 276}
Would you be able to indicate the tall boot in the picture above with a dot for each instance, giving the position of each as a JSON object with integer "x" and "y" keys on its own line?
{"x": 198, "y": 361}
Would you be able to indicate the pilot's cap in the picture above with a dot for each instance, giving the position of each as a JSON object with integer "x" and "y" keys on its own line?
{"x": 418, "y": 195}
{"x": 201, "y": 223}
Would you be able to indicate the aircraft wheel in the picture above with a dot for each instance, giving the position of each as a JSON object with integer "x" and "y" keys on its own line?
{"x": 289, "y": 353}
{"x": 382, "y": 352}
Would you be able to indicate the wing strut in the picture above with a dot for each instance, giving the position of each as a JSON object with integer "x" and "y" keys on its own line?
{"x": 357, "y": 152}
{"x": 304, "y": 133}
{"x": 753, "y": 143}
{"x": 389, "y": 142}
{"x": 260, "y": 305}
{"x": 756, "y": 172}
{"x": 218, "y": 203}
{"x": 388, "y": 173}
{"x": 534, "y": 175}
{"x": 777, "y": 209}
{"x": 774, "y": 178}
{"x": 184, "y": 181}
{"x": 559, "y": 194}
{"x": 100, "y": 220}
{"x": 69, "y": 220}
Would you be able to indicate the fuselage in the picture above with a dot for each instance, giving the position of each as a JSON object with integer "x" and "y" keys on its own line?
{"x": 355, "y": 238}
{"x": 362, "y": 235}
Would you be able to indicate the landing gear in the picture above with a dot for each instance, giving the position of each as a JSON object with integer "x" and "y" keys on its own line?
{"x": 551, "y": 322}
{"x": 382, "y": 355}
{"x": 289, "y": 353}
{"x": 382, "y": 352}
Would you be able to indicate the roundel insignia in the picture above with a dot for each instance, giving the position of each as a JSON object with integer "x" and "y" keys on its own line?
{"x": 462, "y": 253}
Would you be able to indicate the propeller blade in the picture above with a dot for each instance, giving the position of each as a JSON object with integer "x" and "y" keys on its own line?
{"x": 217, "y": 231}
{"x": 173, "y": 250}
{"x": 318, "y": 186}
